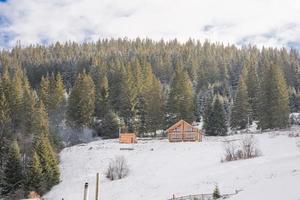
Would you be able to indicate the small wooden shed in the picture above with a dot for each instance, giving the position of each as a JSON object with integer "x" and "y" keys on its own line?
{"x": 183, "y": 132}
{"x": 127, "y": 138}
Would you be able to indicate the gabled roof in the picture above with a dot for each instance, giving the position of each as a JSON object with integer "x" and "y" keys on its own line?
{"x": 180, "y": 123}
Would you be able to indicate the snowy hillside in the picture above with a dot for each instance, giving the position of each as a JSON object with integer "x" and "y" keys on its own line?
{"x": 159, "y": 169}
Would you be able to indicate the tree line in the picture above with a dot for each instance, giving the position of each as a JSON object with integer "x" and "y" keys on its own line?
{"x": 139, "y": 85}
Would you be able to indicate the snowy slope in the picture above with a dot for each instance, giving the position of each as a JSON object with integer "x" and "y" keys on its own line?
{"x": 183, "y": 169}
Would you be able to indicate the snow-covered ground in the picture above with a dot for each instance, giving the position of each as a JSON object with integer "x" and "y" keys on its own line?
{"x": 159, "y": 169}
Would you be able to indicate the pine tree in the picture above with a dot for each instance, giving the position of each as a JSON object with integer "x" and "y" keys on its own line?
{"x": 154, "y": 107}
{"x": 274, "y": 109}
{"x": 16, "y": 99}
{"x": 35, "y": 180}
{"x": 28, "y": 108}
{"x": 252, "y": 83}
{"x": 241, "y": 111}
{"x": 5, "y": 130}
{"x": 218, "y": 125}
{"x": 109, "y": 127}
{"x": 216, "y": 193}
{"x": 43, "y": 148}
{"x": 81, "y": 105}
{"x": 207, "y": 115}
{"x": 44, "y": 91}
{"x": 56, "y": 101}
{"x": 129, "y": 97}
{"x": 48, "y": 160}
{"x": 102, "y": 93}
{"x": 180, "y": 99}
{"x": 13, "y": 175}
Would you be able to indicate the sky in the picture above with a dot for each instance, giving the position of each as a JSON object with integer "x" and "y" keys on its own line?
{"x": 274, "y": 23}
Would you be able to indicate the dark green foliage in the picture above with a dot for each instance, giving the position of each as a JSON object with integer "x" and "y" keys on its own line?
{"x": 241, "y": 110}
{"x": 252, "y": 83}
{"x": 43, "y": 149}
{"x": 214, "y": 119}
{"x": 81, "y": 105}
{"x": 109, "y": 126}
{"x": 48, "y": 160}
{"x": 13, "y": 174}
{"x": 207, "y": 114}
{"x": 180, "y": 99}
{"x": 274, "y": 108}
{"x": 216, "y": 193}
{"x": 219, "y": 118}
{"x": 35, "y": 179}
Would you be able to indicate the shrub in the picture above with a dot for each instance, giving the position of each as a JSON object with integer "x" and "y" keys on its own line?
{"x": 117, "y": 168}
{"x": 216, "y": 193}
{"x": 247, "y": 148}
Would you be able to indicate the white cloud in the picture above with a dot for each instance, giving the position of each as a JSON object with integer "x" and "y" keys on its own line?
{"x": 261, "y": 22}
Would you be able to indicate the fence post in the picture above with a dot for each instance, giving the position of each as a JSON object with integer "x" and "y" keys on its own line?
{"x": 86, "y": 191}
{"x": 97, "y": 186}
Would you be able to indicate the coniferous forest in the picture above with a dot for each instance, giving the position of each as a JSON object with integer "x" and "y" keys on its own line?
{"x": 50, "y": 92}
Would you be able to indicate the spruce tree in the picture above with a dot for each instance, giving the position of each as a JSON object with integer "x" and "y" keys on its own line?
{"x": 109, "y": 127}
{"x": 13, "y": 174}
{"x": 216, "y": 193}
{"x": 180, "y": 99}
{"x": 274, "y": 108}
{"x": 35, "y": 180}
{"x": 102, "y": 93}
{"x": 218, "y": 125}
{"x": 28, "y": 108}
{"x": 241, "y": 110}
{"x": 44, "y": 91}
{"x": 81, "y": 103}
{"x": 56, "y": 101}
{"x": 16, "y": 99}
{"x": 154, "y": 107}
{"x": 43, "y": 148}
{"x": 207, "y": 115}
{"x": 252, "y": 83}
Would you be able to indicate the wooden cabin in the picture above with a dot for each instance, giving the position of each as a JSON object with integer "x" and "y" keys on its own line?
{"x": 127, "y": 138}
{"x": 183, "y": 132}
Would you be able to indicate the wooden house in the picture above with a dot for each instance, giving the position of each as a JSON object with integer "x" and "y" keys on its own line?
{"x": 183, "y": 132}
{"x": 127, "y": 138}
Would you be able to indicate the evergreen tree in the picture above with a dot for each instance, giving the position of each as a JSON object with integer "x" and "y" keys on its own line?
{"x": 252, "y": 83}
{"x": 28, "y": 108}
{"x": 154, "y": 107}
{"x": 217, "y": 123}
{"x": 216, "y": 193}
{"x": 44, "y": 91}
{"x": 180, "y": 99}
{"x": 5, "y": 130}
{"x": 35, "y": 180}
{"x": 207, "y": 115}
{"x": 102, "y": 93}
{"x": 13, "y": 177}
{"x": 129, "y": 99}
{"x": 81, "y": 105}
{"x": 16, "y": 99}
{"x": 56, "y": 105}
{"x": 274, "y": 109}
{"x": 241, "y": 110}
{"x": 109, "y": 127}
{"x": 44, "y": 149}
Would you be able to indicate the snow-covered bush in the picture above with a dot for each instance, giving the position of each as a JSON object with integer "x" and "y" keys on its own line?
{"x": 117, "y": 168}
{"x": 247, "y": 148}
{"x": 295, "y": 118}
